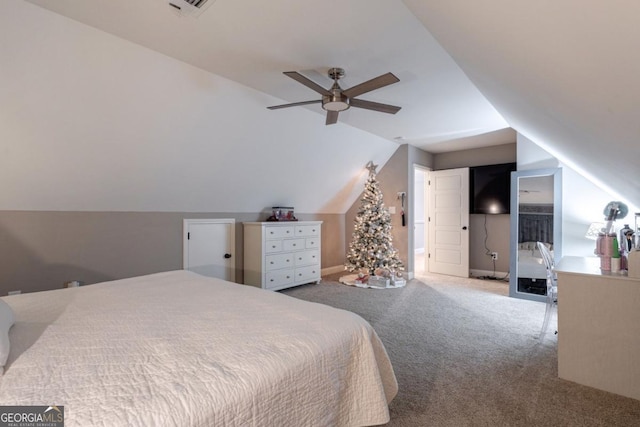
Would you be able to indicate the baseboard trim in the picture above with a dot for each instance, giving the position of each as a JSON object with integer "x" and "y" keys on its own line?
{"x": 332, "y": 270}
{"x": 487, "y": 273}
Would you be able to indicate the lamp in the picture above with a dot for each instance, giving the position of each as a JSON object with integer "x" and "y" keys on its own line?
{"x": 594, "y": 229}
{"x": 337, "y": 101}
{"x": 613, "y": 211}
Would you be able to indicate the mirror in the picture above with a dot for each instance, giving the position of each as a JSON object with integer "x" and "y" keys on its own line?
{"x": 536, "y": 215}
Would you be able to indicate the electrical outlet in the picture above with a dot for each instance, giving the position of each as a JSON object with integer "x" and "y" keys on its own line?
{"x": 494, "y": 256}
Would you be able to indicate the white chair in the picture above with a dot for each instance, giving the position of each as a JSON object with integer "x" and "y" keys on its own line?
{"x": 552, "y": 286}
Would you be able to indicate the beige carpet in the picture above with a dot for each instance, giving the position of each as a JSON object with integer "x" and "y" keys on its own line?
{"x": 465, "y": 354}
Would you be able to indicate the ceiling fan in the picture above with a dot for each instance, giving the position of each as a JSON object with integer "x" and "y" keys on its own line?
{"x": 337, "y": 99}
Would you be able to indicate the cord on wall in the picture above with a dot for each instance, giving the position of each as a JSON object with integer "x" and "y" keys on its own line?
{"x": 492, "y": 254}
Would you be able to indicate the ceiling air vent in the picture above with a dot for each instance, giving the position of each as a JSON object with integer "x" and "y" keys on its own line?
{"x": 190, "y": 7}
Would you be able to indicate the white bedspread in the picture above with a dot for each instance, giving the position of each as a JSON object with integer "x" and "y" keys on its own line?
{"x": 531, "y": 266}
{"x": 181, "y": 349}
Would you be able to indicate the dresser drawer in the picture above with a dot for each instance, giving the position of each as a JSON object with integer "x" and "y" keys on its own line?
{"x": 279, "y": 232}
{"x": 309, "y": 274}
{"x": 312, "y": 243}
{"x": 273, "y": 246}
{"x": 279, "y": 278}
{"x": 293, "y": 244}
{"x": 277, "y": 261}
{"x": 307, "y": 230}
{"x": 307, "y": 258}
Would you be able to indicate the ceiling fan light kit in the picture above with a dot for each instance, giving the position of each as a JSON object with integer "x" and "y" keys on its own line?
{"x": 336, "y": 99}
{"x": 335, "y": 103}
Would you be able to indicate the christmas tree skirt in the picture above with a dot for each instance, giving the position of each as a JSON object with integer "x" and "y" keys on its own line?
{"x": 350, "y": 280}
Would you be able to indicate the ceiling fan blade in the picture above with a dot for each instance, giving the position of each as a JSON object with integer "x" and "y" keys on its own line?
{"x": 308, "y": 83}
{"x": 375, "y": 106}
{"x": 369, "y": 85}
{"x": 295, "y": 104}
{"x": 332, "y": 117}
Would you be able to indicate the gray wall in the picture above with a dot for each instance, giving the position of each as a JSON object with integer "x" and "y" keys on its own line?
{"x": 42, "y": 250}
{"x": 497, "y": 226}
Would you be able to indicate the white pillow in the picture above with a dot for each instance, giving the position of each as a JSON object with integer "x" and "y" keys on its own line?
{"x": 7, "y": 319}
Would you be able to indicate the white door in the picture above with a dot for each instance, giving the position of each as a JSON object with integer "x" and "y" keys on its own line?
{"x": 449, "y": 222}
{"x": 209, "y": 247}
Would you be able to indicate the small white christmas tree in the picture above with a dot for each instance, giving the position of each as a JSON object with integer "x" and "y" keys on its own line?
{"x": 371, "y": 247}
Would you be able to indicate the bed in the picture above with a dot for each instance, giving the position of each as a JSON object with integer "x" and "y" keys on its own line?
{"x": 177, "y": 348}
{"x": 530, "y": 263}
{"x": 532, "y": 273}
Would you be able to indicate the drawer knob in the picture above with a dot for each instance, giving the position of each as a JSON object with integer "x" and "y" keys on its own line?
{"x": 299, "y": 274}
{"x": 271, "y": 232}
{"x": 287, "y": 231}
{"x": 271, "y": 280}
{"x": 271, "y": 262}
{"x": 273, "y": 246}
{"x": 294, "y": 244}
{"x": 313, "y": 256}
{"x": 288, "y": 277}
{"x": 314, "y": 272}
{"x": 287, "y": 260}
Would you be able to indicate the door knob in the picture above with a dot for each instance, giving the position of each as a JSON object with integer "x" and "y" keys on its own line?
{"x": 227, "y": 256}
{"x": 464, "y": 227}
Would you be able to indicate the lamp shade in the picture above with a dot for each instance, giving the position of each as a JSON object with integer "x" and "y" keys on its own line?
{"x": 594, "y": 229}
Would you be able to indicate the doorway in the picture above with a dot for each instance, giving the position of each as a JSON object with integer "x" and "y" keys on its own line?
{"x": 420, "y": 209}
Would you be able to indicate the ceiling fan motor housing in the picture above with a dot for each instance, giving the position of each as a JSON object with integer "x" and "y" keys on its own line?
{"x": 337, "y": 101}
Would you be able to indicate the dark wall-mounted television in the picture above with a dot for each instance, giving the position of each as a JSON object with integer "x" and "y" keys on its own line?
{"x": 490, "y": 188}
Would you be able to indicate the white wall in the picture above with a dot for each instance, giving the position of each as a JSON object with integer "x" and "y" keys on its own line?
{"x": 583, "y": 201}
{"x": 91, "y": 122}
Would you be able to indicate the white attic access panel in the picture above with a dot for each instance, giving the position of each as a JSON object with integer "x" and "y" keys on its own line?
{"x": 209, "y": 247}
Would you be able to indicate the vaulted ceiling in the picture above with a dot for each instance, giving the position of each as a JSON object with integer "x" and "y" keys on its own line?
{"x": 254, "y": 42}
{"x": 564, "y": 74}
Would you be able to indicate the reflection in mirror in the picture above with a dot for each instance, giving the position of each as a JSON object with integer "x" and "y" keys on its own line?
{"x": 535, "y": 224}
{"x": 535, "y": 217}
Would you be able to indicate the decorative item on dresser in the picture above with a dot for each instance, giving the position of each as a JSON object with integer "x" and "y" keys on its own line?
{"x": 281, "y": 255}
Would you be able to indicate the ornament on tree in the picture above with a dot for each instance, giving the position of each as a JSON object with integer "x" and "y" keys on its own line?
{"x": 371, "y": 247}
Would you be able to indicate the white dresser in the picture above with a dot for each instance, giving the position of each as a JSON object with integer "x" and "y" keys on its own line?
{"x": 279, "y": 255}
